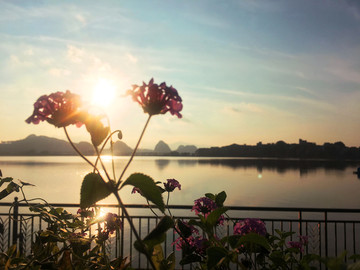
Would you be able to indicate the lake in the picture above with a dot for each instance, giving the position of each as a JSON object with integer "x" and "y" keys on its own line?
{"x": 247, "y": 182}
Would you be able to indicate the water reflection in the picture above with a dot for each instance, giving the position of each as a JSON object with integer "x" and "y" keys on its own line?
{"x": 280, "y": 166}
{"x": 162, "y": 163}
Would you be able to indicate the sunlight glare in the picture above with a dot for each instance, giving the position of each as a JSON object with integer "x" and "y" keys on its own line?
{"x": 104, "y": 93}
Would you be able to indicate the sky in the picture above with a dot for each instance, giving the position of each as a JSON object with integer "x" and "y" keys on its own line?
{"x": 247, "y": 71}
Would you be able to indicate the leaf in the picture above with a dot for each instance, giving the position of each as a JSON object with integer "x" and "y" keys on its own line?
{"x": 157, "y": 256}
{"x": 158, "y": 234}
{"x": 9, "y": 189}
{"x": 147, "y": 187}
{"x": 184, "y": 229}
{"x": 254, "y": 238}
{"x": 210, "y": 196}
{"x": 169, "y": 263}
{"x": 220, "y": 199}
{"x": 96, "y": 129}
{"x": 26, "y": 184}
{"x": 190, "y": 259}
{"x": 5, "y": 180}
{"x": 93, "y": 189}
{"x": 215, "y": 256}
{"x": 213, "y": 217}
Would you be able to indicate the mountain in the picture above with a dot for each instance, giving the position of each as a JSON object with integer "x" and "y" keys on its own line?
{"x": 42, "y": 145}
{"x": 122, "y": 149}
{"x": 162, "y": 148}
{"x": 188, "y": 149}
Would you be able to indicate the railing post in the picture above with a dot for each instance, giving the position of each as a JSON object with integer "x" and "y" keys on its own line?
{"x": 300, "y": 222}
{"x": 326, "y": 233}
{"x": 15, "y": 221}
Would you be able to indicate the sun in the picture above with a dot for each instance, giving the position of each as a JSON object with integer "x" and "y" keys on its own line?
{"x": 103, "y": 93}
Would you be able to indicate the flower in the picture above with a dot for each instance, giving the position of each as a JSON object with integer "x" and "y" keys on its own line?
{"x": 203, "y": 205}
{"x": 250, "y": 225}
{"x": 136, "y": 190}
{"x": 86, "y": 212}
{"x": 113, "y": 222}
{"x": 196, "y": 243}
{"x": 303, "y": 241}
{"x": 157, "y": 99}
{"x": 59, "y": 109}
{"x": 171, "y": 185}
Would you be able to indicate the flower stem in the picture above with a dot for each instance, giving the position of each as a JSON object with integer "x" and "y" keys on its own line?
{"x": 78, "y": 151}
{"x": 148, "y": 256}
{"x": 133, "y": 153}
{"x": 112, "y": 152}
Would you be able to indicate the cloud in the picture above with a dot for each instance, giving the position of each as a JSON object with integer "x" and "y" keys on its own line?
{"x": 75, "y": 54}
{"x": 59, "y": 72}
{"x": 242, "y": 108}
{"x": 131, "y": 58}
{"x": 80, "y": 18}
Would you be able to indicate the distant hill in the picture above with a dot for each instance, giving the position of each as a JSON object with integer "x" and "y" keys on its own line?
{"x": 46, "y": 146}
{"x": 122, "y": 149}
{"x": 281, "y": 149}
{"x": 188, "y": 149}
{"x": 162, "y": 148}
{"x": 41, "y": 145}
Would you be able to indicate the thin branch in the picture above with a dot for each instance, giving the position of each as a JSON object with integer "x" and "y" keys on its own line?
{"x": 133, "y": 153}
{"x": 77, "y": 150}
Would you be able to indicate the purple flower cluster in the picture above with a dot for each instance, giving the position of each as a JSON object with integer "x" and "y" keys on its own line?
{"x": 86, "y": 213}
{"x": 303, "y": 241}
{"x": 157, "y": 99}
{"x": 112, "y": 223}
{"x": 171, "y": 185}
{"x": 250, "y": 225}
{"x": 59, "y": 109}
{"x": 203, "y": 205}
{"x": 197, "y": 243}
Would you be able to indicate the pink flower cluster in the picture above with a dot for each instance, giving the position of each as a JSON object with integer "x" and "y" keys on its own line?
{"x": 171, "y": 185}
{"x": 59, "y": 109}
{"x": 250, "y": 225}
{"x": 303, "y": 241}
{"x": 157, "y": 99}
{"x": 203, "y": 205}
{"x": 194, "y": 241}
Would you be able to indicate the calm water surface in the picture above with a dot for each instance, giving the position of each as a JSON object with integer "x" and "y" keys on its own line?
{"x": 247, "y": 182}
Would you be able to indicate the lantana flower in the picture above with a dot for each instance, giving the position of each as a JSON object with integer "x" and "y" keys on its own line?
{"x": 303, "y": 241}
{"x": 203, "y": 205}
{"x": 157, "y": 98}
{"x": 250, "y": 225}
{"x": 59, "y": 109}
{"x": 171, "y": 185}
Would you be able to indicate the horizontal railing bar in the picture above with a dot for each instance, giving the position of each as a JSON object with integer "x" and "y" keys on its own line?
{"x": 184, "y": 207}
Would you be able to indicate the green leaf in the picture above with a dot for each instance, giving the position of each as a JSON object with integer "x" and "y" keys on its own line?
{"x": 168, "y": 263}
{"x": 158, "y": 234}
{"x": 157, "y": 256}
{"x": 220, "y": 199}
{"x": 11, "y": 187}
{"x": 148, "y": 188}
{"x": 215, "y": 256}
{"x": 96, "y": 129}
{"x": 5, "y": 180}
{"x": 214, "y": 216}
{"x": 255, "y": 239}
{"x": 184, "y": 229}
{"x": 210, "y": 196}
{"x": 190, "y": 259}
{"x": 93, "y": 189}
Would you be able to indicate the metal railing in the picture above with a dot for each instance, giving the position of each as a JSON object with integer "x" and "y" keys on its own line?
{"x": 330, "y": 231}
